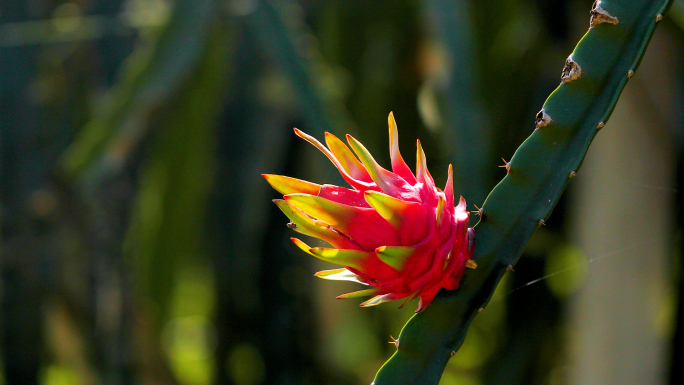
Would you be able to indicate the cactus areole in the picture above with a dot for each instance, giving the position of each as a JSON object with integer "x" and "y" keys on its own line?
{"x": 394, "y": 231}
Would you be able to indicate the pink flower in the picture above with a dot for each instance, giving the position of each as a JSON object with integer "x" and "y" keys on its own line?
{"x": 394, "y": 231}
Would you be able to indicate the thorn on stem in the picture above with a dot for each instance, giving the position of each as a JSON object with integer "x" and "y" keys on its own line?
{"x": 600, "y": 16}
{"x": 510, "y": 268}
{"x": 480, "y": 310}
{"x": 571, "y": 70}
{"x": 453, "y": 353}
{"x": 542, "y": 223}
{"x": 478, "y": 212}
{"x": 394, "y": 341}
{"x": 572, "y": 174}
{"x": 542, "y": 119}
{"x": 470, "y": 264}
{"x": 292, "y": 226}
{"x": 659, "y": 17}
{"x": 630, "y": 73}
{"x": 600, "y": 125}
{"x": 507, "y": 165}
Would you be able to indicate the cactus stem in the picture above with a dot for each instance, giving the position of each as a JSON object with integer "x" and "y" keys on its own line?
{"x": 572, "y": 174}
{"x": 600, "y": 125}
{"x": 510, "y": 268}
{"x": 659, "y": 17}
{"x": 471, "y": 264}
{"x": 542, "y": 223}
{"x": 630, "y": 73}
{"x": 394, "y": 341}
{"x": 542, "y": 119}
{"x": 600, "y": 15}
{"x": 571, "y": 70}
{"x": 507, "y": 165}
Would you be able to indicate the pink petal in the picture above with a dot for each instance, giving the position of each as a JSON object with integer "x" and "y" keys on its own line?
{"x": 409, "y": 218}
{"x": 343, "y": 195}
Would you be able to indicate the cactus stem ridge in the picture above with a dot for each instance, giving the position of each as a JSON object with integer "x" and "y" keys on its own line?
{"x": 600, "y": 16}
{"x": 600, "y": 125}
{"x": 507, "y": 165}
{"x": 571, "y": 70}
{"x": 659, "y": 17}
{"x": 572, "y": 174}
{"x": 542, "y": 119}
{"x": 630, "y": 73}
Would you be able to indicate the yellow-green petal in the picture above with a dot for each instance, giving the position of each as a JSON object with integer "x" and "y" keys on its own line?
{"x": 286, "y": 185}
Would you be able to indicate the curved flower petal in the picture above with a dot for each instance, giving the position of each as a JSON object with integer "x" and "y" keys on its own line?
{"x": 356, "y": 183}
{"x": 360, "y": 293}
{"x": 398, "y": 165}
{"x": 308, "y": 226}
{"x": 286, "y": 185}
{"x": 377, "y": 300}
{"x": 389, "y": 182}
{"x": 357, "y": 259}
{"x": 340, "y": 275}
{"x": 347, "y": 159}
{"x": 364, "y": 225}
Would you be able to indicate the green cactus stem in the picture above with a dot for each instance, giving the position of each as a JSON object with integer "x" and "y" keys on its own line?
{"x": 591, "y": 82}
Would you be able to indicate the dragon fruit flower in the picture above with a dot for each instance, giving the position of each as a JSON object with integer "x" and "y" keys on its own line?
{"x": 393, "y": 231}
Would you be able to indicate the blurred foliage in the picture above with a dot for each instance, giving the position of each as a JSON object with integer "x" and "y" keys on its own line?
{"x": 138, "y": 241}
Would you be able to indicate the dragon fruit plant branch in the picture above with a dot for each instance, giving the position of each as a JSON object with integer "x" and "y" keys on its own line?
{"x": 591, "y": 82}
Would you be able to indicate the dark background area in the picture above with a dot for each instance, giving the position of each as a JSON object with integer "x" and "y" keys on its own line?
{"x": 139, "y": 244}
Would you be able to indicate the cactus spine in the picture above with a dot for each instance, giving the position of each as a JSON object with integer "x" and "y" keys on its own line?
{"x": 591, "y": 82}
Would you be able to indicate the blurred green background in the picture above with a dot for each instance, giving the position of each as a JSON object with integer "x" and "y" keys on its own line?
{"x": 139, "y": 244}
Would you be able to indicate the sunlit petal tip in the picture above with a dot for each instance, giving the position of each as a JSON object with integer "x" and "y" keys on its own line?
{"x": 326, "y": 273}
{"x": 421, "y": 163}
{"x": 302, "y": 245}
{"x": 360, "y": 293}
{"x": 449, "y": 188}
{"x": 340, "y": 275}
{"x": 461, "y": 204}
{"x": 286, "y": 185}
{"x": 377, "y": 300}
